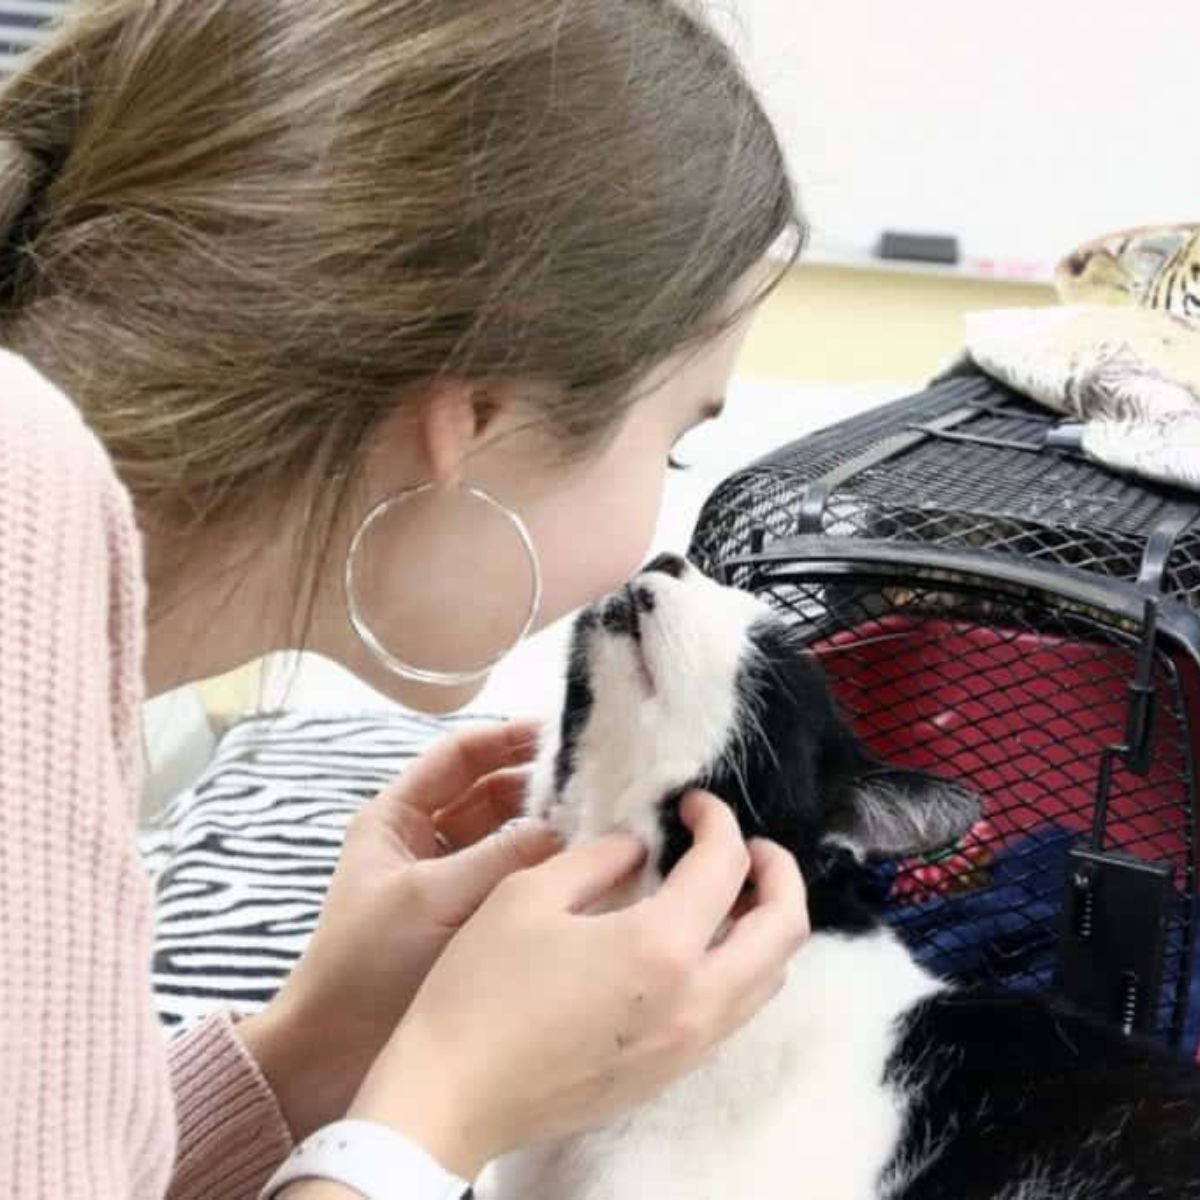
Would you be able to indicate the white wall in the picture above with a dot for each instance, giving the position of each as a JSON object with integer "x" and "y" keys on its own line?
{"x": 1023, "y": 126}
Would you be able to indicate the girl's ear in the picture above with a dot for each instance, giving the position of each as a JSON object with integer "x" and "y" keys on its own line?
{"x": 451, "y": 420}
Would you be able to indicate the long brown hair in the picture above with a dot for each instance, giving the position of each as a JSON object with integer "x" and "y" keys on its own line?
{"x": 237, "y": 233}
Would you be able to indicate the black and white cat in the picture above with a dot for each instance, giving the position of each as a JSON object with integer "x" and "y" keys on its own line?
{"x": 865, "y": 1078}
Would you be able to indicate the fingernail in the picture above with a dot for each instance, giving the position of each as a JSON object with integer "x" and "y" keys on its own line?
{"x": 630, "y": 836}
{"x": 526, "y": 737}
{"x": 518, "y": 826}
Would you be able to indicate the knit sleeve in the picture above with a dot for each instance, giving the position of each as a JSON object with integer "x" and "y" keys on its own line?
{"x": 85, "y": 1104}
{"x": 232, "y": 1135}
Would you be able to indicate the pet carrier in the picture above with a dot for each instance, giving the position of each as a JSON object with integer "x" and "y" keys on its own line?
{"x": 998, "y": 611}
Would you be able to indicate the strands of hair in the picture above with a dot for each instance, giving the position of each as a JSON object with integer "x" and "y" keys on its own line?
{"x": 237, "y": 273}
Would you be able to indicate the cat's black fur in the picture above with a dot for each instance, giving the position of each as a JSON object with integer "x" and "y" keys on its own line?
{"x": 1023, "y": 1098}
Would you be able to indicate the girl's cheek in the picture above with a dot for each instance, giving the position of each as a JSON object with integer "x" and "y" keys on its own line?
{"x": 596, "y": 549}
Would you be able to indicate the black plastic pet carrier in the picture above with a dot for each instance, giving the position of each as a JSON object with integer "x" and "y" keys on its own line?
{"x": 1014, "y": 617}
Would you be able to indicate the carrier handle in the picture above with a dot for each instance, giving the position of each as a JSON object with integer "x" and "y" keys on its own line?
{"x": 843, "y": 556}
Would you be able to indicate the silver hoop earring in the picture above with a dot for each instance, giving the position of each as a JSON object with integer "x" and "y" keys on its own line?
{"x": 358, "y": 621}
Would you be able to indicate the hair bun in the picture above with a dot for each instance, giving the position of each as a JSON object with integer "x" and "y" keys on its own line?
{"x": 20, "y": 173}
{"x": 18, "y": 176}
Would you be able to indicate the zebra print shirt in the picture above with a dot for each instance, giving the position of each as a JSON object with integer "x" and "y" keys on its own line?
{"x": 242, "y": 859}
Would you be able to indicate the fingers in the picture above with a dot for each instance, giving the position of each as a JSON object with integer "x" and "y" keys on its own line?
{"x": 455, "y": 764}
{"x": 581, "y": 875}
{"x": 490, "y": 803}
{"x": 749, "y": 964}
{"x": 695, "y": 899}
{"x": 465, "y": 879}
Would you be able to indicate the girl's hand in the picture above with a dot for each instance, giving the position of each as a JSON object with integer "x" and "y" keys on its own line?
{"x": 394, "y": 903}
{"x": 539, "y": 1019}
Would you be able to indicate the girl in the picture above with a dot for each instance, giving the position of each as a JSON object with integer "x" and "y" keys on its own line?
{"x": 366, "y": 325}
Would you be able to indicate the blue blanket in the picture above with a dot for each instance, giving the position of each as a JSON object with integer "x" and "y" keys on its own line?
{"x": 1005, "y": 934}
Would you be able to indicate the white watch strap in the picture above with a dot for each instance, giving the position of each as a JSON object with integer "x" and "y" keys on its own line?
{"x": 370, "y": 1159}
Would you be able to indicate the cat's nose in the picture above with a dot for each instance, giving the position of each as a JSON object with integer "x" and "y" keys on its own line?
{"x": 667, "y": 564}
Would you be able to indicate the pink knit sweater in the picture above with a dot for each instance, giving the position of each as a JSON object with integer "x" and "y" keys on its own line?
{"x": 93, "y": 1103}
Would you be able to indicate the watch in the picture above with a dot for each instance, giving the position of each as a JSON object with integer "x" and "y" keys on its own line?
{"x": 371, "y": 1159}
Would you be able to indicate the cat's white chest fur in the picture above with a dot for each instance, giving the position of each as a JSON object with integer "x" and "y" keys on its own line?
{"x": 794, "y": 1105}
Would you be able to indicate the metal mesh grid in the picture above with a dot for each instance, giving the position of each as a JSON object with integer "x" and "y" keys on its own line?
{"x": 1016, "y": 692}
{"x": 1019, "y": 707}
{"x": 881, "y": 476}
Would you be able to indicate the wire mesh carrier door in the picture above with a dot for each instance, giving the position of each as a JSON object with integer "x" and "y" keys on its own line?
{"x": 1004, "y": 614}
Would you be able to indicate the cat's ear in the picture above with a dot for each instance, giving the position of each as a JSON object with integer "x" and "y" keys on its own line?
{"x": 895, "y": 813}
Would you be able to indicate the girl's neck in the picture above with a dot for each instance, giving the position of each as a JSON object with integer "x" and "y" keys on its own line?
{"x": 212, "y": 605}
